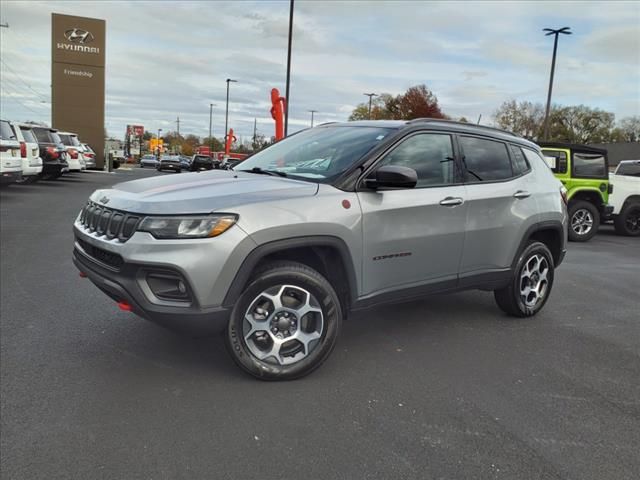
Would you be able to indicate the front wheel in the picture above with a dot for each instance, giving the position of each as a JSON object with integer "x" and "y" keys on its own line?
{"x": 627, "y": 222}
{"x": 584, "y": 220}
{"x": 285, "y": 324}
{"x": 531, "y": 283}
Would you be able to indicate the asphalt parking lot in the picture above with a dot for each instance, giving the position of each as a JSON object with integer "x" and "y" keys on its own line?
{"x": 447, "y": 387}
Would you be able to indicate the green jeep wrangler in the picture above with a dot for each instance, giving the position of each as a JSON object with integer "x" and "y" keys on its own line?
{"x": 584, "y": 171}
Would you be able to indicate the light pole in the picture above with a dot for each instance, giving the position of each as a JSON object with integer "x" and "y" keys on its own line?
{"x": 312, "y": 112}
{"x": 211, "y": 105}
{"x": 158, "y": 145}
{"x": 556, "y": 33}
{"x": 226, "y": 115}
{"x": 370, "y": 95}
{"x": 286, "y": 104}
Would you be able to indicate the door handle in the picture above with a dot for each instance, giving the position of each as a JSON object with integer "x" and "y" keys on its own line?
{"x": 522, "y": 194}
{"x": 451, "y": 201}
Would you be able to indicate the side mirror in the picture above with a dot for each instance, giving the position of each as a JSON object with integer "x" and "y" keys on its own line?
{"x": 392, "y": 176}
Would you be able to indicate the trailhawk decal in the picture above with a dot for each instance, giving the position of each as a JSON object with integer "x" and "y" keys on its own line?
{"x": 392, "y": 255}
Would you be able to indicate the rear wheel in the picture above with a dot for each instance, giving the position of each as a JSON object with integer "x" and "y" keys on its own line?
{"x": 584, "y": 220}
{"x": 285, "y": 324}
{"x": 531, "y": 284}
{"x": 627, "y": 222}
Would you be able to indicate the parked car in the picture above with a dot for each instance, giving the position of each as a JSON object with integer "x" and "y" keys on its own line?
{"x": 89, "y": 155}
{"x": 169, "y": 162}
{"x": 52, "y": 152}
{"x": 278, "y": 255}
{"x": 584, "y": 171}
{"x": 148, "y": 161}
{"x": 625, "y": 198}
{"x": 74, "y": 150}
{"x": 185, "y": 162}
{"x": 203, "y": 162}
{"x": 29, "y": 152}
{"x": 10, "y": 160}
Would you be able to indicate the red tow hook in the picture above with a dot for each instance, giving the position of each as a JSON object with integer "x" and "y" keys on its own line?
{"x": 122, "y": 305}
{"x": 82, "y": 275}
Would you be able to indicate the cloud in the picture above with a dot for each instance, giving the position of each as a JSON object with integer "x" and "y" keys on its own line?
{"x": 169, "y": 59}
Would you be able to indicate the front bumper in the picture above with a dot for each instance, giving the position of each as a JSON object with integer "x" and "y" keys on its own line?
{"x": 170, "y": 166}
{"x": 207, "y": 267}
{"x": 123, "y": 286}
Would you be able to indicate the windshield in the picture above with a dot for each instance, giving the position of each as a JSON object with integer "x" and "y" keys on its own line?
{"x": 631, "y": 169}
{"x": 66, "y": 139}
{"x": 319, "y": 154}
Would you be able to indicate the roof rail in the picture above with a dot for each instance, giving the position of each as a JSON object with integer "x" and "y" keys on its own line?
{"x": 484, "y": 127}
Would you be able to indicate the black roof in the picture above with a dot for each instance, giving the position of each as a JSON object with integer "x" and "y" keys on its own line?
{"x": 573, "y": 146}
{"x": 439, "y": 124}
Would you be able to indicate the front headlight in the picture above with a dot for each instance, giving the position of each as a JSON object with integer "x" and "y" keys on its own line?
{"x": 201, "y": 226}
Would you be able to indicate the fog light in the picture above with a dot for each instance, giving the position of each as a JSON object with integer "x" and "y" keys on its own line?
{"x": 168, "y": 286}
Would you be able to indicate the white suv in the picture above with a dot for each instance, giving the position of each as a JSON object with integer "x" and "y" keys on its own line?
{"x": 29, "y": 152}
{"x": 625, "y": 198}
{"x": 74, "y": 149}
{"x": 10, "y": 163}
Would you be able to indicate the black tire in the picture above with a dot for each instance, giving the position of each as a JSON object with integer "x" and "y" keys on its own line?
{"x": 580, "y": 208}
{"x": 627, "y": 222}
{"x": 510, "y": 299}
{"x": 271, "y": 276}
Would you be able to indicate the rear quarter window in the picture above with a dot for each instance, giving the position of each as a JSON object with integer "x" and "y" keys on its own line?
{"x": 28, "y": 135}
{"x": 589, "y": 165}
{"x": 519, "y": 161}
{"x": 6, "y": 131}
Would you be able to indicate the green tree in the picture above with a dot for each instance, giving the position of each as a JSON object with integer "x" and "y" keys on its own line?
{"x": 213, "y": 141}
{"x": 580, "y": 124}
{"x": 629, "y": 128}
{"x": 522, "y": 118}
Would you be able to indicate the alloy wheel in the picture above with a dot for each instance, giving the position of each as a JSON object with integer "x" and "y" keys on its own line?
{"x": 582, "y": 221}
{"x": 534, "y": 280}
{"x": 283, "y": 325}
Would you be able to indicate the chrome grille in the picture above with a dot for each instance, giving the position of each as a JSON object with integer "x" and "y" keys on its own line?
{"x": 109, "y": 222}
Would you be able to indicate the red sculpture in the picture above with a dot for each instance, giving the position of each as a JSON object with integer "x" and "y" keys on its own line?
{"x": 230, "y": 140}
{"x": 277, "y": 112}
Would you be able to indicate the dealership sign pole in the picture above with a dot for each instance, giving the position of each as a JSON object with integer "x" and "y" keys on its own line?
{"x": 78, "y": 79}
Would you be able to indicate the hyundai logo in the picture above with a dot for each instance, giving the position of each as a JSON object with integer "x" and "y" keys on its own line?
{"x": 78, "y": 35}
{"x": 104, "y": 200}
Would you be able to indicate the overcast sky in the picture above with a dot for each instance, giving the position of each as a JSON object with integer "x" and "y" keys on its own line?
{"x": 168, "y": 59}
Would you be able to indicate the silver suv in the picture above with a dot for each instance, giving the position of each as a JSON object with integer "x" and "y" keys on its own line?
{"x": 330, "y": 220}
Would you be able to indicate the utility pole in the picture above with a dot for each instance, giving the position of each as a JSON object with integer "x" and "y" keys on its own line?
{"x": 312, "y": 112}
{"x": 211, "y": 105}
{"x": 158, "y": 145}
{"x": 370, "y": 95}
{"x": 288, "y": 100}
{"x": 556, "y": 33}
{"x": 226, "y": 115}
{"x": 479, "y": 118}
{"x": 5, "y": 25}
{"x": 255, "y": 130}
{"x": 178, "y": 127}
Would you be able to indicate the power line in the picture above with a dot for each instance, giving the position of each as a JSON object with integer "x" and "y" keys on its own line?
{"x": 17, "y": 89}
{"x": 20, "y": 78}
{"x": 10, "y": 96}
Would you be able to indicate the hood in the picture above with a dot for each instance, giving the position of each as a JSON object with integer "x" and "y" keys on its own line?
{"x": 200, "y": 192}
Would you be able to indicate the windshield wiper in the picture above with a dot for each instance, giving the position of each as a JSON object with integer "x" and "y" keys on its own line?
{"x": 260, "y": 171}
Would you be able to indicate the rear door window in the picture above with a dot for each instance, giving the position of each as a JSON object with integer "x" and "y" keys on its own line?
{"x": 485, "y": 160}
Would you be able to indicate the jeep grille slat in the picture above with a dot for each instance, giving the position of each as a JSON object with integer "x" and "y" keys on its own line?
{"x": 109, "y": 222}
